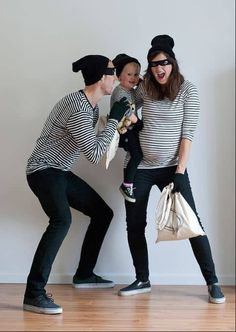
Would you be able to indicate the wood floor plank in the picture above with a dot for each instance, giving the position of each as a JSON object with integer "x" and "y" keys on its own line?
{"x": 166, "y": 308}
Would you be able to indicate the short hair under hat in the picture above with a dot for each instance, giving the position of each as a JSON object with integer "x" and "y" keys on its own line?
{"x": 163, "y": 43}
{"x": 121, "y": 60}
{"x": 92, "y": 67}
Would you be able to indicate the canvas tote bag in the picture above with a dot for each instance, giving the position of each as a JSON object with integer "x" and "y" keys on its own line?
{"x": 175, "y": 218}
{"x": 111, "y": 150}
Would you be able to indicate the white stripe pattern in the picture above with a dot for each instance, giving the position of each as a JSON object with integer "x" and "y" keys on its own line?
{"x": 68, "y": 131}
{"x": 165, "y": 123}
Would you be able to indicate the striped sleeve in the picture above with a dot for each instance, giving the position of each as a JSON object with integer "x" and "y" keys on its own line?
{"x": 191, "y": 111}
{"x": 139, "y": 95}
{"x": 117, "y": 94}
{"x": 80, "y": 125}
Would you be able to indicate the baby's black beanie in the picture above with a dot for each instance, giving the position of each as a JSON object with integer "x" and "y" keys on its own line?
{"x": 121, "y": 60}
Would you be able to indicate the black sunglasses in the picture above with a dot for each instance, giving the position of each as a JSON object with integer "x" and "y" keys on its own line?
{"x": 164, "y": 62}
{"x": 110, "y": 71}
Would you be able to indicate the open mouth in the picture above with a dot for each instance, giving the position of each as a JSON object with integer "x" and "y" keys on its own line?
{"x": 161, "y": 76}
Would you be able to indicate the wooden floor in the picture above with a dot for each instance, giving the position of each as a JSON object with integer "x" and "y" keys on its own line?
{"x": 166, "y": 308}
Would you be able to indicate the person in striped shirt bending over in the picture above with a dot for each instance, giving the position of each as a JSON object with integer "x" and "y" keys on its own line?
{"x": 70, "y": 130}
{"x": 170, "y": 110}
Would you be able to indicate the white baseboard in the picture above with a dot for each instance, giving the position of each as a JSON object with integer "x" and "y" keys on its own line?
{"x": 159, "y": 279}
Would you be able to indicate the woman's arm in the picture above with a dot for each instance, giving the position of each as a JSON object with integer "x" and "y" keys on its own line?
{"x": 191, "y": 115}
{"x": 179, "y": 179}
{"x": 184, "y": 151}
{"x": 139, "y": 95}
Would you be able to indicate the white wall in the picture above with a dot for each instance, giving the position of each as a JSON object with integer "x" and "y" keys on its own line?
{"x": 39, "y": 41}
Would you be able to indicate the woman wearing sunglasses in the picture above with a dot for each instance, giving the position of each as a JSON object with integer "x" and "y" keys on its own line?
{"x": 170, "y": 110}
{"x": 68, "y": 132}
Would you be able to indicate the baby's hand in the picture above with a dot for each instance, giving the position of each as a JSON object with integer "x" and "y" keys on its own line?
{"x": 133, "y": 118}
{"x": 122, "y": 130}
{"x": 127, "y": 122}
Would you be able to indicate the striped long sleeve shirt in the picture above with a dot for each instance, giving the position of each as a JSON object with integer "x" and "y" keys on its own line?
{"x": 119, "y": 93}
{"x": 68, "y": 131}
{"x": 165, "y": 123}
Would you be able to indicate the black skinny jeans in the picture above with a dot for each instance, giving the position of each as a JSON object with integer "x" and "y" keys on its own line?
{"x": 57, "y": 191}
{"x": 130, "y": 142}
{"x": 136, "y": 214}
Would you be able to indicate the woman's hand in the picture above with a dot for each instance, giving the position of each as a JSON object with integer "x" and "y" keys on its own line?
{"x": 179, "y": 183}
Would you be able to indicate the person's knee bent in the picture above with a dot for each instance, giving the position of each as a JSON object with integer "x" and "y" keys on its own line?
{"x": 104, "y": 213}
{"x": 136, "y": 225}
{"x": 61, "y": 222}
{"x": 136, "y": 229}
{"x": 109, "y": 213}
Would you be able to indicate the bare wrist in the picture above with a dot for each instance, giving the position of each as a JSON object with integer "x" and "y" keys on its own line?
{"x": 180, "y": 169}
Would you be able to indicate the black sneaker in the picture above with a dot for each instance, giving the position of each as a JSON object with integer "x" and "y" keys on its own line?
{"x": 215, "y": 294}
{"x": 128, "y": 193}
{"x": 92, "y": 282}
{"x": 137, "y": 287}
{"x": 42, "y": 304}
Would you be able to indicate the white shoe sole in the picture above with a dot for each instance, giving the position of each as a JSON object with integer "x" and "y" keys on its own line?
{"x": 38, "y": 310}
{"x": 132, "y": 200}
{"x": 109, "y": 285}
{"x": 134, "y": 292}
{"x": 216, "y": 301}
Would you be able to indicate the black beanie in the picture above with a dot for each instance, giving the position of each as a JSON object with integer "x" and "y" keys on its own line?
{"x": 163, "y": 43}
{"x": 92, "y": 67}
{"x": 121, "y": 60}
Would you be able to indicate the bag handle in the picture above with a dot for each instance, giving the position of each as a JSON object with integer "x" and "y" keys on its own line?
{"x": 175, "y": 222}
{"x": 169, "y": 206}
{"x": 166, "y": 206}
